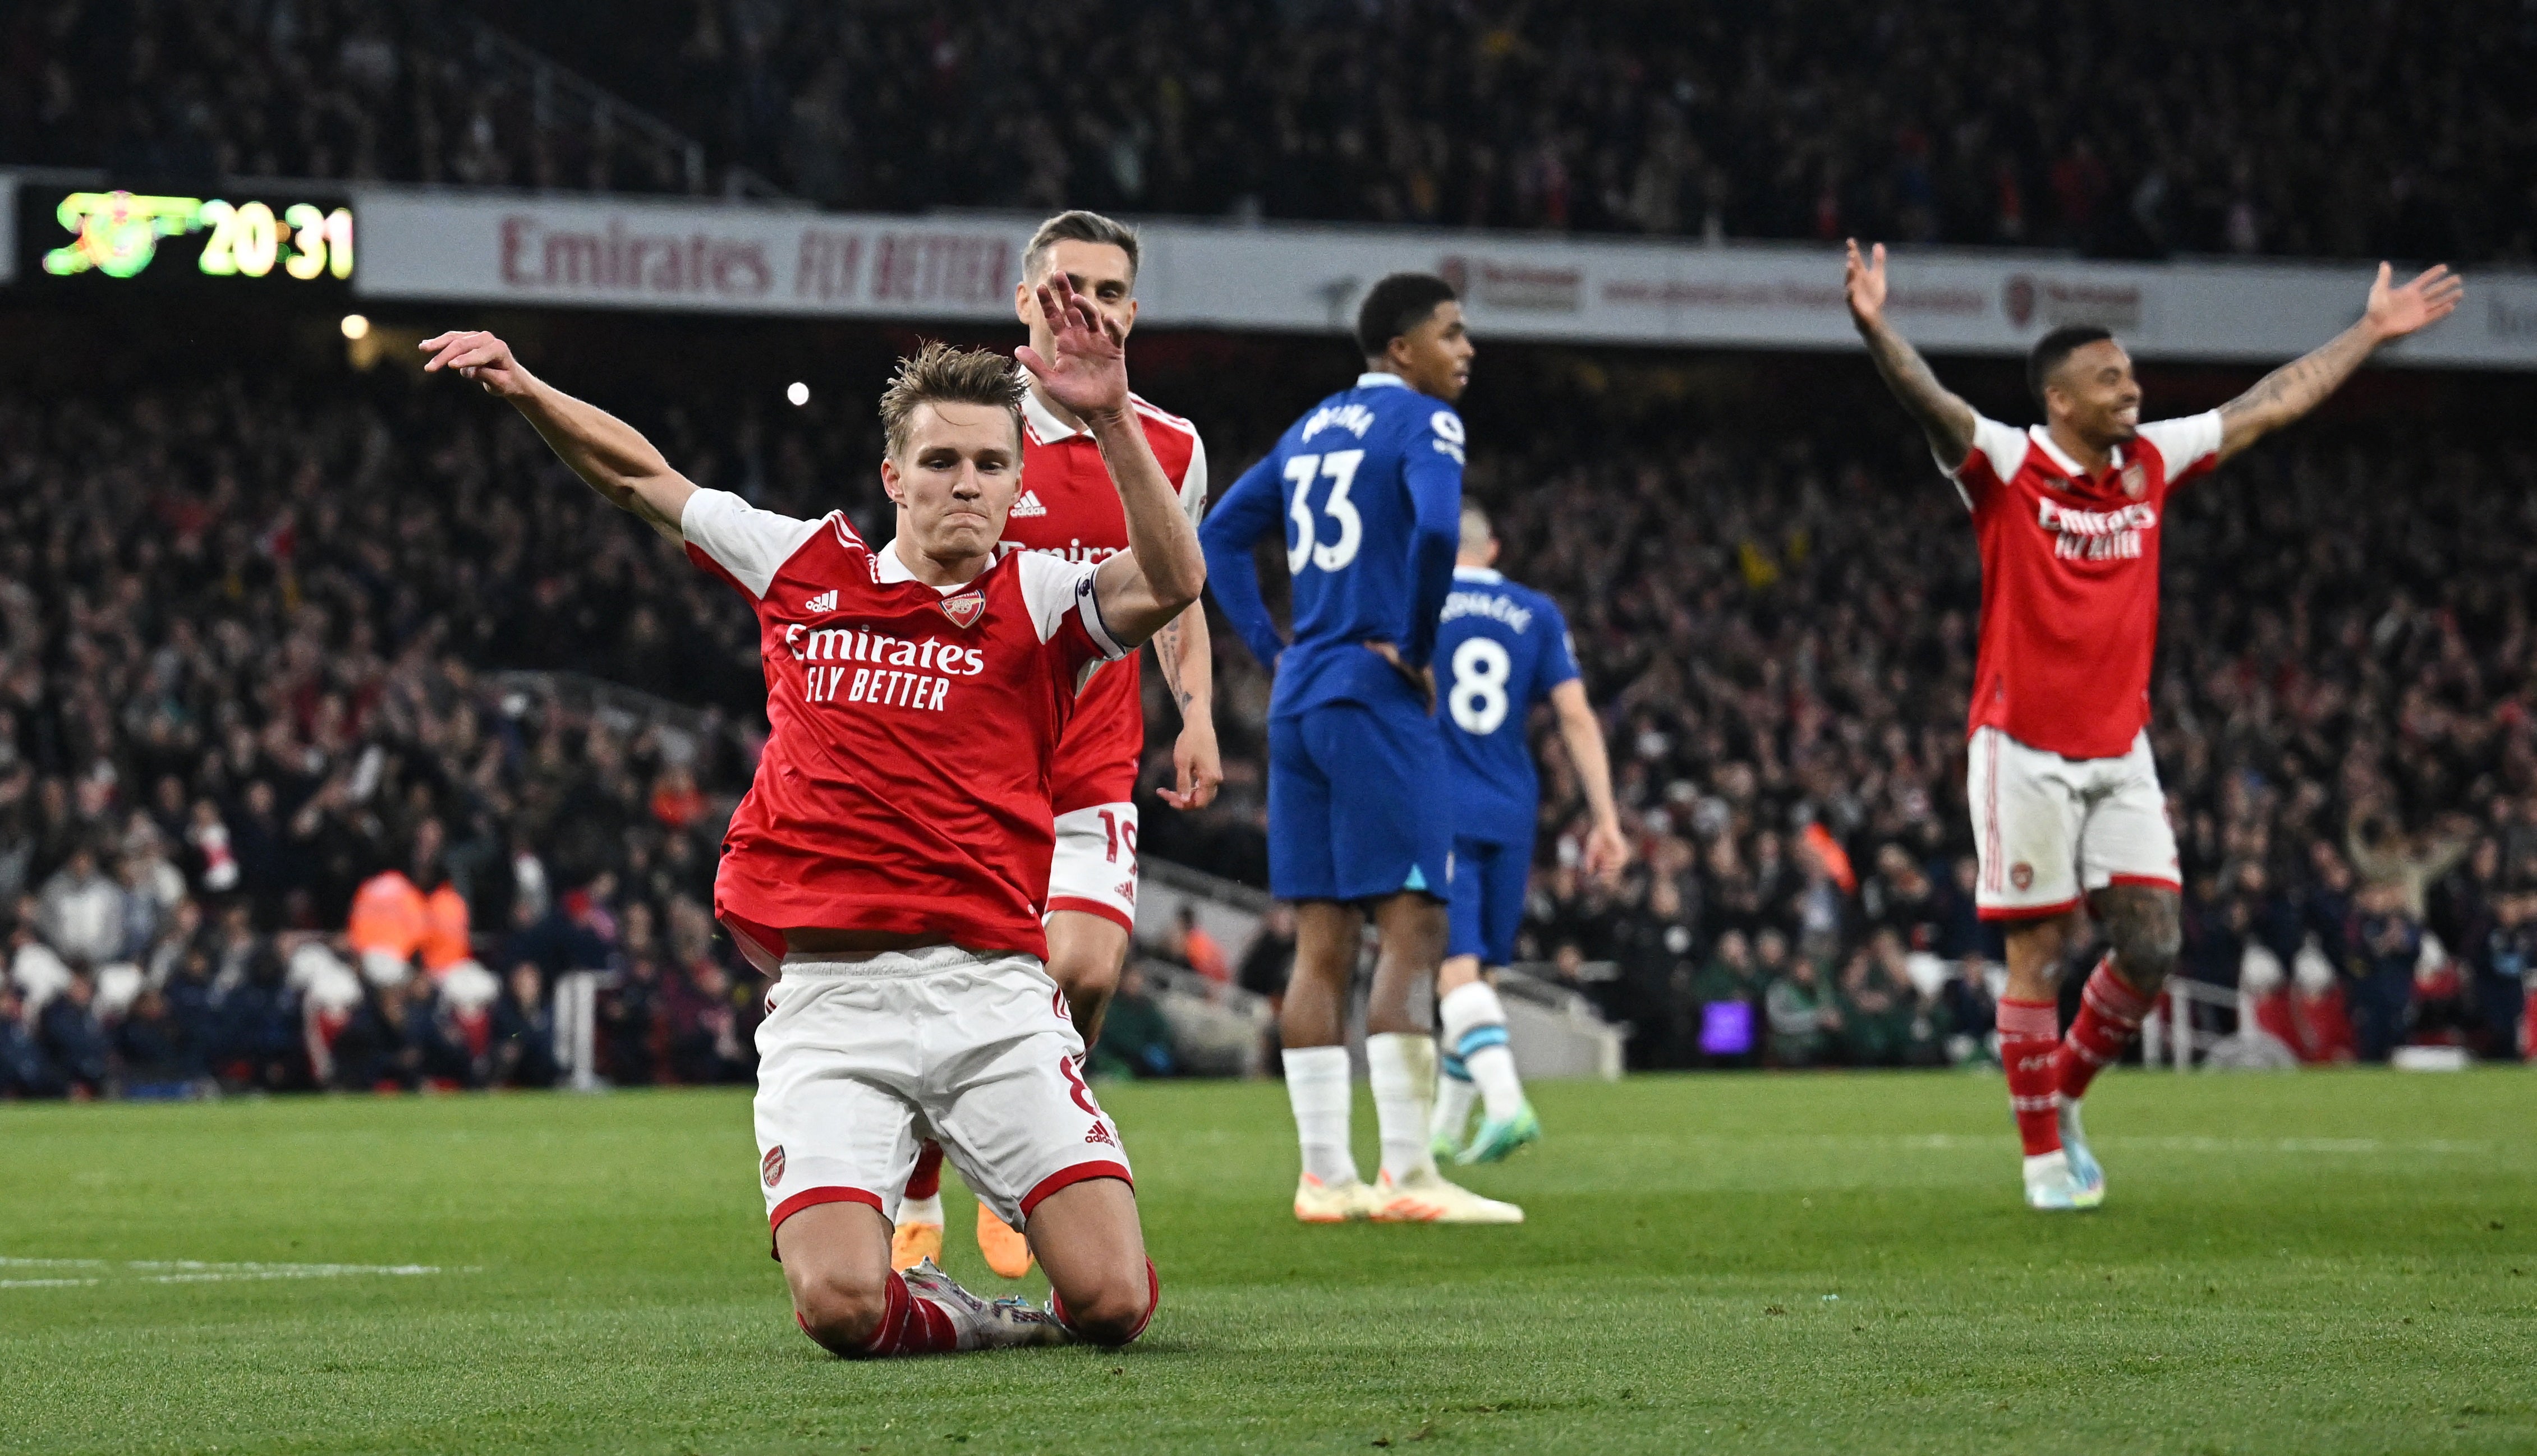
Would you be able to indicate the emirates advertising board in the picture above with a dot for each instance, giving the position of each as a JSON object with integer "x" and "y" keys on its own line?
{"x": 624, "y": 253}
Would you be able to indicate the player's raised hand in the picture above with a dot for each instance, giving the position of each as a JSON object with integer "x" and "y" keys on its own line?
{"x": 2431, "y": 297}
{"x": 1089, "y": 374}
{"x": 1864, "y": 281}
{"x": 477, "y": 355}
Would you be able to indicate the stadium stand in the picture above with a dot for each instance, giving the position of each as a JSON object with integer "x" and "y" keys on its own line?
{"x": 2383, "y": 130}
{"x": 2379, "y": 129}
{"x": 269, "y": 639}
{"x": 363, "y": 90}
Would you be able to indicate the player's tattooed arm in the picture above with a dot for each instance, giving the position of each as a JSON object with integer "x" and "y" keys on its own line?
{"x": 1188, "y": 658}
{"x": 2302, "y": 384}
{"x": 610, "y": 455}
{"x": 1944, "y": 417}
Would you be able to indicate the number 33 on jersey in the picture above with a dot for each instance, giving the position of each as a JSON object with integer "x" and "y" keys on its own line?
{"x": 1360, "y": 481}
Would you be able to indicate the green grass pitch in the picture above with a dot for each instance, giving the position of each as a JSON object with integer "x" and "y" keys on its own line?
{"x": 2310, "y": 1262}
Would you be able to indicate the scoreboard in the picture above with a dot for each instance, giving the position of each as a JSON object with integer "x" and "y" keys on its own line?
{"x": 252, "y": 240}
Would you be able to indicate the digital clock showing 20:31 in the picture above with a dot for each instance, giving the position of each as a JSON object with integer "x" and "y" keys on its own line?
{"x": 140, "y": 237}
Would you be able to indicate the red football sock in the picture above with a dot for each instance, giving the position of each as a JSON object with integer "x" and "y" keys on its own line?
{"x": 909, "y": 1325}
{"x": 2029, "y": 1032}
{"x": 926, "y": 1179}
{"x": 2109, "y": 1016}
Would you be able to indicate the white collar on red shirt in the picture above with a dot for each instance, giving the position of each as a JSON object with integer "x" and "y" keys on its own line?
{"x": 1042, "y": 423}
{"x": 2071, "y": 467}
{"x": 1043, "y": 426}
{"x": 893, "y": 570}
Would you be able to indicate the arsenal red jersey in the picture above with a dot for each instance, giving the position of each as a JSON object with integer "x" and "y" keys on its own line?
{"x": 2070, "y": 616}
{"x": 1069, "y": 509}
{"x": 904, "y": 786}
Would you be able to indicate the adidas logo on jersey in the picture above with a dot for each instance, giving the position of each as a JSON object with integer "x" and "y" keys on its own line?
{"x": 824, "y": 601}
{"x": 1029, "y": 505}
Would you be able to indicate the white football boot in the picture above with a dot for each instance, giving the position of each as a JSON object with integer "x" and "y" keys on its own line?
{"x": 2050, "y": 1185}
{"x": 986, "y": 1324}
{"x": 1426, "y": 1198}
{"x": 2085, "y": 1174}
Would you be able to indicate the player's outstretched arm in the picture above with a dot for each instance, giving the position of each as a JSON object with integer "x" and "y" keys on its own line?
{"x": 612, "y": 456}
{"x": 1240, "y": 518}
{"x": 1187, "y": 658}
{"x": 1606, "y": 850}
{"x": 1944, "y": 417}
{"x": 2302, "y": 384}
{"x": 1162, "y": 571}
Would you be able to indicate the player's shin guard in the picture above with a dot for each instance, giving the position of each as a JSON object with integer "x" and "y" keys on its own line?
{"x": 1475, "y": 1022}
{"x": 1317, "y": 1086}
{"x": 1402, "y": 1065}
{"x": 926, "y": 1180}
{"x": 2109, "y": 1017}
{"x": 2029, "y": 1034}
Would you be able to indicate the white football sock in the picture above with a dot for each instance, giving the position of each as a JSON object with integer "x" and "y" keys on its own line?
{"x": 1475, "y": 1029}
{"x": 920, "y": 1210}
{"x": 1454, "y": 1098}
{"x": 1317, "y": 1086}
{"x": 1403, "y": 1069}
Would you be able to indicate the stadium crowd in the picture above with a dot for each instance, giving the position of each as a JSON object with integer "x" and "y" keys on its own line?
{"x": 355, "y": 89}
{"x": 2382, "y": 129}
{"x": 277, "y": 809}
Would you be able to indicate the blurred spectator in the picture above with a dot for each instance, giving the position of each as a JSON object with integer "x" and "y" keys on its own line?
{"x": 1136, "y": 1040}
{"x": 158, "y": 1058}
{"x": 82, "y": 910}
{"x": 2386, "y": 945}
{"x": 1723, "y": 993}
{"x": 1195, "y": 948}
{"x": 24, "y": 1070}
{"x": 1876, "y": 1003}
{"x": 1270, "y": 958}
{"x": 1802, "y": 1015}
{"x": 73, "y": 1042}
{"x": 522, "y": 1050}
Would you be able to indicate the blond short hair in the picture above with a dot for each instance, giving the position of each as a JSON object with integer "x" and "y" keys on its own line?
{"x": 942, "y": 375}
{"x": 1078, "y": 225}
{"x": 1476, "y": 532}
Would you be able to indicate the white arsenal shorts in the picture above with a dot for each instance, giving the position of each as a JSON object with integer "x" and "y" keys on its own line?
{"x": 1094, "y": 869}
{"x": 860, "y": 1057}
{"x": 2049, "y": 829}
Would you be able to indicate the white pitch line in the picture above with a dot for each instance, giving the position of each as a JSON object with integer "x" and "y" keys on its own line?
{"x": 198, "y": 1271}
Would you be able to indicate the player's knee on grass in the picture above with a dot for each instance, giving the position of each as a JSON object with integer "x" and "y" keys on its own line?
{"x": 839, "y": 1310}
{"x": 2144, "y": 929}
{"x": 1114, "y": 1308}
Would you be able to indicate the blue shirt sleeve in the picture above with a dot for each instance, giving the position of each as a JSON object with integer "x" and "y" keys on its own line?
{"x": 1432, "y": 468}
{"x": 1231, "y": 531}
{"x": 1558, "y": 650}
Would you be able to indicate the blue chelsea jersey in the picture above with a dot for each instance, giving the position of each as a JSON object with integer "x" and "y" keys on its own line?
{"x": 1500, "y": 648}
{"x": 1367, "y": 489}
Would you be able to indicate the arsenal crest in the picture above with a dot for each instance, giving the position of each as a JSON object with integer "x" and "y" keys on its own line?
{"x": 2135, "y": 481}
{"x": 965, "y": 609}
{"x": 771, "y": 1167}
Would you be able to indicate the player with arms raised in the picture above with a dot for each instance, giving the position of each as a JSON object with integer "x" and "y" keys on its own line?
{"x": 1367, "y": 491}
{"x": 1067, "y": 509}
{"x": 1503, "y": 649}
{"x": 891, "y": 856}
{"x": 2066, "y": 806}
